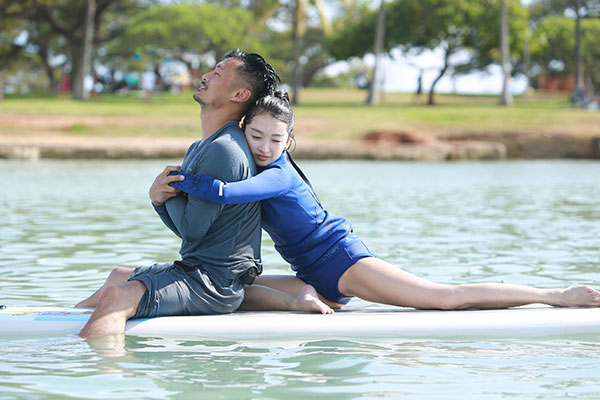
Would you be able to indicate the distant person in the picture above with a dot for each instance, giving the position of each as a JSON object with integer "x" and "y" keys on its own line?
{"x": 220, "y": 249}
{"x": 65, "y": 87}
{"x": 148, "y": 83}
{"x": 132, "y": 79}
{"x": 323, "y": 249}
{"x": 361, "y": 81}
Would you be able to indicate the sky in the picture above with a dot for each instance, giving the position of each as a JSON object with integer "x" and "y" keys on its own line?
{"x": 400, "y": 74}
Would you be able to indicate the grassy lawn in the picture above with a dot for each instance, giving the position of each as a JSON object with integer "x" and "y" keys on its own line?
{"x": 321, "y": 114}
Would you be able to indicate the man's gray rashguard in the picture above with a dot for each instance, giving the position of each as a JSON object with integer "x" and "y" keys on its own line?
{"x": 220, "y": 243}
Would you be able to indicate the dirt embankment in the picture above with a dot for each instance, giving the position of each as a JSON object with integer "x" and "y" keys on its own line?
{"x": 47, "y": 139}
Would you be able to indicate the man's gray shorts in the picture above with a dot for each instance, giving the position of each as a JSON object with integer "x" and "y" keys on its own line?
{"x": 173, "y": 290}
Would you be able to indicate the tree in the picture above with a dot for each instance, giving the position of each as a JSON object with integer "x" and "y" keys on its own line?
{"x": 300, "y": 19}
{"x": 175, "y": 31}
{"x": 82, "y": 68}
{"x": 505, "y": 97}
{"x": 373, "y": 97}
{"x": 581, "y": 9}
{"x": 80, "y": 24}
{"x": 415, "y": 25}
{"x": 553, "y": 45}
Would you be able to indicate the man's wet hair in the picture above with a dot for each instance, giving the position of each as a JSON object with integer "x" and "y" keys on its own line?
{"x": 261, "y": 77}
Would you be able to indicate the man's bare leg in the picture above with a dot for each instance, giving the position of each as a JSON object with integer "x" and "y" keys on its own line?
{"x": 258, "y": 297}
{"x": 117, "y": 276}
{"x": 117, "y": 304}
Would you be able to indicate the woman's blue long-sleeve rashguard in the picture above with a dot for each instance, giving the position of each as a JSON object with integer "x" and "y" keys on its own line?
{"x": 291, "y": 214}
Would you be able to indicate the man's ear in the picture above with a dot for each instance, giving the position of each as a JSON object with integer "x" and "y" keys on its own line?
{"x": 242, "y": 95}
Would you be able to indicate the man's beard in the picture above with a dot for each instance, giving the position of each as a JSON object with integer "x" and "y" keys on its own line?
{"x": 197, "y": 99}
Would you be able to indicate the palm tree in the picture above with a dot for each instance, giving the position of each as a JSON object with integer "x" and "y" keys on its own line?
{"x": 79, "y": 92}
{"x": 373, "y": 97}
{"x": 505, "y": 98}
{"x": 578, "y": 53}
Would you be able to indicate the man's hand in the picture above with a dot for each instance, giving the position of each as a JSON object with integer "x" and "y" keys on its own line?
{"x": 160, "y": 191}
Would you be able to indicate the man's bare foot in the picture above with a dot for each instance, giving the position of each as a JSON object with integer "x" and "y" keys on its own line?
{"x": 308, "y": 300}
{"x": 580, "y": 296}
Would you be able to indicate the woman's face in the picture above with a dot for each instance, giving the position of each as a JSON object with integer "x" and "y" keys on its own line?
{"x": 267, "y": 137}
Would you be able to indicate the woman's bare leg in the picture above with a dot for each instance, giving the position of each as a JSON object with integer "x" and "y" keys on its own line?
{"x": 375, "y": 280}
{"x": 291, "y": 285}
{"x": 258, "y": 297}
{"x": 116, "y": 277}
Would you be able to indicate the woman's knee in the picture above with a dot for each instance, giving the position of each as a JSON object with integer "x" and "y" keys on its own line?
{"x": 451, "y": 298}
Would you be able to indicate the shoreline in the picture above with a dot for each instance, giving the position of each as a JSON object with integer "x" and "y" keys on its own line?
{"x": 394, "y": 146}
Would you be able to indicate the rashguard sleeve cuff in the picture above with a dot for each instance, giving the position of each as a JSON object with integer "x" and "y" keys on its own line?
{"x": 216, "y": 191}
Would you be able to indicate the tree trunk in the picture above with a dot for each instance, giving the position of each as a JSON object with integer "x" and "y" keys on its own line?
{"x": 505, "y": 98}
{"x": 527, "y": 56}
{"x": 374, "y": 89}
{"x": 52, "y": 83}
{"x": 309, "y": 74}
{"x": 298, "y": 35}
{"x": 578, "y": 52}
{"x": 81, "y": 54}
{"x": 449, "y": 50}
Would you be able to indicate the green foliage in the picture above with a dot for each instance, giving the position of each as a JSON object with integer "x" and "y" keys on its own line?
{"x": 428, "y": 24}
{"x": 353, "y": 35}
{"x": 541, "y": 9}
{"x": 55, "y": 27}
{"x": 484, "y": 37}
{"x": 554, "y": 41}
{"x": 553, "y": 46}
{"x": 199, "y": 28}
{"x": 591, "y": 51}
{"x": 415, "y": 25}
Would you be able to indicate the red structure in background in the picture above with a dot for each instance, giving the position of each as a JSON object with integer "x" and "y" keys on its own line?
{"x": 562, "y": 84}
{"x": 64, "y": 85}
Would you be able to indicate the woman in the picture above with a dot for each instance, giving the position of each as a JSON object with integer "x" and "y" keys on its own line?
{"x": 323, "y": 250}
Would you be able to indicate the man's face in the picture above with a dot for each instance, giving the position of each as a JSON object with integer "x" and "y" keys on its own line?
{"x": 219, "y": 84}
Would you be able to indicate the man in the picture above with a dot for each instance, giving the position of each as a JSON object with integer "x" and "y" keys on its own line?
{"x": 147, "y": 83}
{"x": 220, "y": 250}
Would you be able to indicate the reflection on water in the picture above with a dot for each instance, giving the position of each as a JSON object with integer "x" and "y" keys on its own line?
{"x": 168, "y": 368}
{"x": 66, "y": 224}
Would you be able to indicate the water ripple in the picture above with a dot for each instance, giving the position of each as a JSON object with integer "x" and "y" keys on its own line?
{"x": 67, "y": 224}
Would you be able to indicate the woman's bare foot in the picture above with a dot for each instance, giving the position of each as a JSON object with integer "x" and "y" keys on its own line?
{"x": 579, "y": 296}
{"x": 308, "y": 300}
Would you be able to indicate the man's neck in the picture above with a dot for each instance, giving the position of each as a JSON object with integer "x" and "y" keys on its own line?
{"x": 213, "y": 119}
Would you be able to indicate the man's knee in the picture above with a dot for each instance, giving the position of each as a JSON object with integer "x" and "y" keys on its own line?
{"x": 121, "y": 274}
{"x": 122, "y": 297}
{"x": 110, "y": 295}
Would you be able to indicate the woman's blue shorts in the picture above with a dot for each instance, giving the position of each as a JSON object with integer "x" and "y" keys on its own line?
{"x": 325, "y": 274}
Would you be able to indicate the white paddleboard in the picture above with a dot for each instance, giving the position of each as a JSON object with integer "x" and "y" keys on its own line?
{"x": 531, "y": 321}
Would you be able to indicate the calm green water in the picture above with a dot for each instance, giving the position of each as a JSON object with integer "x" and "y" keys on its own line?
{"x": 65, "y": 224}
